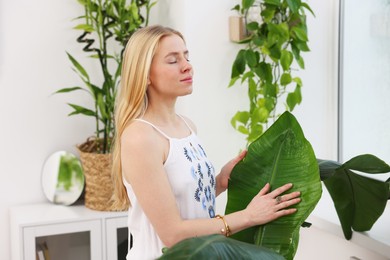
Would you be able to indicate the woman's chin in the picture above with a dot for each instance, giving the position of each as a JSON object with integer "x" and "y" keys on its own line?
{"x": 188, "y": 91}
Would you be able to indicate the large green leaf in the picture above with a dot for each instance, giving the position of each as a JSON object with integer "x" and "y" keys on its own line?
{"x": 359, "y": 200}
{"x": 281, "y": 155}
{"x": 218, "y": 247}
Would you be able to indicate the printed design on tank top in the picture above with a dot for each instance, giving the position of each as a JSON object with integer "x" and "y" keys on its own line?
{"x": 203, "y": 173}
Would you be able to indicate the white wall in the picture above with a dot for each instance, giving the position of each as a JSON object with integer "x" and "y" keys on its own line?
{"x": 34, "y": 36}
{"x": 33, "y": 65}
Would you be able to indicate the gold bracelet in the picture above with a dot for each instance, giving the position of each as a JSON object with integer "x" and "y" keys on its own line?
{"x": 225, "y": 231}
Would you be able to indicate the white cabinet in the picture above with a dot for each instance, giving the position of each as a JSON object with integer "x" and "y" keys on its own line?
{"x": 70, "y": 232}
{"x": 116, "y": 238}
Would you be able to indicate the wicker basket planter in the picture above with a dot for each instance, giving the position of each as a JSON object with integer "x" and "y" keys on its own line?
{"x": 98, "y": 183}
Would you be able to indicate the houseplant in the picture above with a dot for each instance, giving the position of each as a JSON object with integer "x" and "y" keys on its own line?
{"x": 265, "y": 61}
{"x": 105, "y": 27}
{"x": 281, "y": 155}
{"x": 265, "y": 64}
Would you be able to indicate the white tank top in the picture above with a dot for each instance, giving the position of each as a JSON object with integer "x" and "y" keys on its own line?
{"x": 192, "y": 179}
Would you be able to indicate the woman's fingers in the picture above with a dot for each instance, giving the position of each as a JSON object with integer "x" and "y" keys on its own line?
{"x": 291, "y": 195}
{"x": 267, "y": 206}
{"x": 286, "y": 200}
{"x": 287, "y": 203}
{"x": 280, "y": 190}
{"x": 276, "y": 194}
{"x": 239, "y": 157}
{"x": 285, "y": 212}
{"x": 287, "y": 196}
{"x": 264, "y": 190}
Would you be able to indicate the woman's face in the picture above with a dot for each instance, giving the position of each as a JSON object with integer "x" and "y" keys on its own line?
{"x": 170, "y": 71}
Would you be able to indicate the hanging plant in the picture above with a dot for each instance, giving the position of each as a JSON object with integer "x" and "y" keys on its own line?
{"x": 270, "y": 54}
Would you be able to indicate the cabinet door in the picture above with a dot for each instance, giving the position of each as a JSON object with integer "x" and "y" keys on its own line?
{"x": 71, "y": 241}
{"x": 117, "y": 238}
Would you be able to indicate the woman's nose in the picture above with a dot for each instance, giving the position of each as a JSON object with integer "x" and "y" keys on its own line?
{"x": 186, "y": 66}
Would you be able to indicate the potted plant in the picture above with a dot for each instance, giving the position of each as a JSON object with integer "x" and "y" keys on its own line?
{"x": 273, "y": 41}
{"x": 105, "y": 27}
{"x": 276, "y": 36}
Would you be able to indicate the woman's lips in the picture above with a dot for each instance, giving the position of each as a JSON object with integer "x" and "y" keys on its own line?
{"x": 188, "y": 79}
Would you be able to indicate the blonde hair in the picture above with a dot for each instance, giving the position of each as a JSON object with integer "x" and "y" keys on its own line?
{"x": 131, "y": 99}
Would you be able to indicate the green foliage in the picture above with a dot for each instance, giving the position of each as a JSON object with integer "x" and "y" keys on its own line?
{"x": 281, "y": 155}
{"x": 266, "y": 61}
{"x": 106, "y": 27}
{"x": 359, "y": 200}
{"x": 70, "y": 172}
{"x": 218, "y": 247}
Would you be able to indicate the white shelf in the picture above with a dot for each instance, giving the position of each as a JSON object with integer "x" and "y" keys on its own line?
{"x": 30, "y": 222}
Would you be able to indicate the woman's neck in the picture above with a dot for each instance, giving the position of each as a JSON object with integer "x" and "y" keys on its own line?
{"x": 162, "y": 116}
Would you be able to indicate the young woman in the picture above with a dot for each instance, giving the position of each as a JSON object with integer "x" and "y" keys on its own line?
{"x": 159, "y": 162}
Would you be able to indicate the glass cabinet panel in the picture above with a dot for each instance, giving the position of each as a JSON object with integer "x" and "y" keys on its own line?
{"x": 71, "y": 246}
{"x": 64, "y": 241}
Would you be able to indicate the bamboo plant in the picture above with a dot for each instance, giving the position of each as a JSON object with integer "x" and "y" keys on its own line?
{"x": 105, "y": 28}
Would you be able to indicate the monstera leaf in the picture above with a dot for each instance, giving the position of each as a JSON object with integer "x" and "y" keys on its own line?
{"x": 218, "y": 247}
{"x": 281, "y": 155}
{"x": 359, "y": 200}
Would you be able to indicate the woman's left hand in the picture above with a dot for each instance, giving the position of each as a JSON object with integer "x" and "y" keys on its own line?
{"x": 224, "y": 175}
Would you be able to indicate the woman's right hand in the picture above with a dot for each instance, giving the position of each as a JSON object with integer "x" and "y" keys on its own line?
{"x": 266, "y": 207}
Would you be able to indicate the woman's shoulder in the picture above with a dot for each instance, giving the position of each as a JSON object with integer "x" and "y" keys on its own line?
{"x": 138, "y": 133}
{"x": 144, "y": 142}
{"x": 190, "y": 123}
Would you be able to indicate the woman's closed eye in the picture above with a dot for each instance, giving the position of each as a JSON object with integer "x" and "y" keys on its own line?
{"x": 173, "y": 61}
